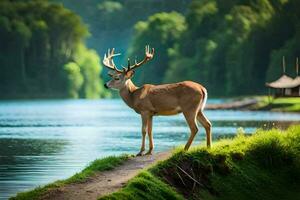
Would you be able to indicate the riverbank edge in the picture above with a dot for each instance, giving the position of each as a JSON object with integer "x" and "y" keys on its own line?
{"x": 265, "y": 164}
{"x": 98, "y": 165}
{"x": 259, "y": 103}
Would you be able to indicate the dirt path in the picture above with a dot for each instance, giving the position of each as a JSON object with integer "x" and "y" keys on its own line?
{"x": 106, "y": 182}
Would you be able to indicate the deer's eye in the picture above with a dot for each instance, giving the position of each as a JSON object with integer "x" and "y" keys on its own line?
{"x": 117, "y": 79}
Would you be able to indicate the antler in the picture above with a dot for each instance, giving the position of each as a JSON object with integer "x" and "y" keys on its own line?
{"x": 148, "y": 56}
{"x": 109, "y": 62}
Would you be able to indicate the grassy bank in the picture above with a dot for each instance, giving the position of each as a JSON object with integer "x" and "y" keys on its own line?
{"x": 98, "y": 165}
{"x": 263, "y": 166}
{"x": 284, "y": 104}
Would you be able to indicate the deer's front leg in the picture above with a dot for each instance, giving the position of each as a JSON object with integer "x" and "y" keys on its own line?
{"x": 144, "y": 128}
{"x": 149, "y": 126}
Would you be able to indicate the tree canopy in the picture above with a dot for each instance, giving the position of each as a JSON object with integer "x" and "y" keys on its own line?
{"x": 112, "y": 22}
{"x": 162, "y": 31}
{"x": 232, "y": 47}
{"x": 40, "y": 46}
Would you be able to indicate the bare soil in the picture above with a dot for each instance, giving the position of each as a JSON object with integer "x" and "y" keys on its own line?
{"x": 103, "y": 183}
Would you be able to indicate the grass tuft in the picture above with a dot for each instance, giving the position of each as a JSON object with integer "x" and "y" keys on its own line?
{"x": 98, "y": 165}
{"x": 286, "y": 104}
{"x": 145, "y": 186}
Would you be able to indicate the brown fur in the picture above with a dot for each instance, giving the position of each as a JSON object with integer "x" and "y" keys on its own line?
{"x": 169, "y": 99}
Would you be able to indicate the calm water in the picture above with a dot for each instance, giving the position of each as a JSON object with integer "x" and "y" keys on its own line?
{"x": 42, "y": 141}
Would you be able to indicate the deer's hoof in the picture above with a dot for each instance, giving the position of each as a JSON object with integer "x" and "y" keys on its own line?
{"x": 149, "y": 153}
{"x": 140, "y": 153}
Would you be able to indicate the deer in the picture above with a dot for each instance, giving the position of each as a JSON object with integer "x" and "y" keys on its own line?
{"x": 149, "y": 100}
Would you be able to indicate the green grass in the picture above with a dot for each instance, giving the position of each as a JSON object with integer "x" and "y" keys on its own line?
{"x": 96, "y": 166}
{"x": 287, "y": 104}
{"x": 145, "y": 186}
{"x": 264, "y": 166}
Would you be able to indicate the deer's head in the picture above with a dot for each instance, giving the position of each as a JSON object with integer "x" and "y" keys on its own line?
{"x": 120, "y": 77}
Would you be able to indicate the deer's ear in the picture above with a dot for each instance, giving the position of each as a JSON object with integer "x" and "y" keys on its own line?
{"x": 129, "y": 74}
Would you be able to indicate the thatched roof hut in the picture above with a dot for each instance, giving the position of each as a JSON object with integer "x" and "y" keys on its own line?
{"x": 283, "y": 82}
{"x": 285, "y": 85}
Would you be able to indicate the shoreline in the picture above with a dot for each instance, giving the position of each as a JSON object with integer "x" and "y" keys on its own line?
{"x": 260, "y": 103}
{"x": 233, "y": 105}
{"x": 250, "y": 103}
{"x": 211, "y": 173}
{"x": 96, "y": 180}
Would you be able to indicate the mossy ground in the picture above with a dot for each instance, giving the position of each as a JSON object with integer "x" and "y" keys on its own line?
{"x": 264, "y": 166}
{"x": 285, "y": 104}
{"x": 96, "y": 166}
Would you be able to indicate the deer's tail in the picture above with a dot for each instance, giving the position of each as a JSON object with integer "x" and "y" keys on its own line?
{"x": 204, "y": 99}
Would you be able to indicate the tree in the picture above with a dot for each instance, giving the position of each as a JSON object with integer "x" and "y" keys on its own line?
{"x": 231, "y": 46}
{"x": 161, "y": 31}
{"x": 89, "y": 63}
{"x": 40, "y": 52}
{"x": 74, "y": 79}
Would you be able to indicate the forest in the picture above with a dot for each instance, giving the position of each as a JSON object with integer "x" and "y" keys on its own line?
{"x": 53, "y": 48}
{"x": 43, "y": 53}
{"x": 232, "y": 47}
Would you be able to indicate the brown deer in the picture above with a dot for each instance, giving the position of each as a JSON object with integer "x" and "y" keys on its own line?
{"x": 150, "y": 100}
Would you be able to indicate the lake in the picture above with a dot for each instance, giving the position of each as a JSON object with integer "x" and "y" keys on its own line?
{"x": 45, "y": 140}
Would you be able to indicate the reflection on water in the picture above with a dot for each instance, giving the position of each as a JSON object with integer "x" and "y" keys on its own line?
{"x": 24, "y": 162}
{"x": 42, "y": 141}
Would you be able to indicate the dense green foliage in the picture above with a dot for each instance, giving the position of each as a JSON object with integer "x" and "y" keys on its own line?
{"x": 162, "y": 30}
{"x": 111, "y": 22}
{"x": 42, "y": 52}
{"x": 263, "y": 166}
{"x": 98, "y": 165}
{"x": 232, "y": 47}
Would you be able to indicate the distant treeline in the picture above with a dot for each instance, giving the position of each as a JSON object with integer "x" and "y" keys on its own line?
{"x": 42, "y": 52}
{"x": 232, "y": 47}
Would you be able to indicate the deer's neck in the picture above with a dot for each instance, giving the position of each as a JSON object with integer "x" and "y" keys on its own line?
{"x": 127, "y": 93}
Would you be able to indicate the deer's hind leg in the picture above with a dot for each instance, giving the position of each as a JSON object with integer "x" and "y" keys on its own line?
{"x": 207, "y": 125}
{"x": 190, "y": 116}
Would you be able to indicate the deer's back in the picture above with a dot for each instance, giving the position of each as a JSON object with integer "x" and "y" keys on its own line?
{"x": 170, "y": 98}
